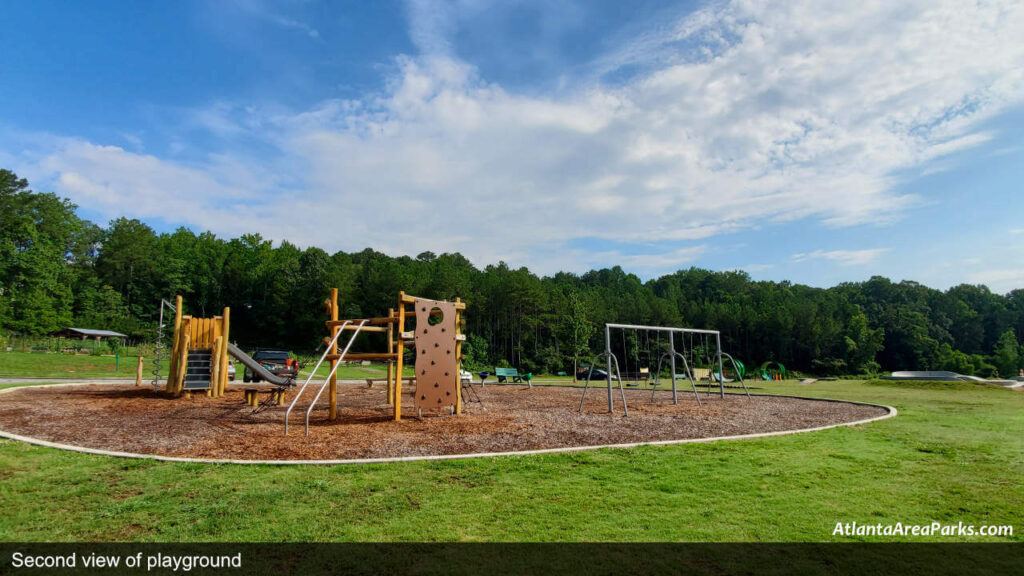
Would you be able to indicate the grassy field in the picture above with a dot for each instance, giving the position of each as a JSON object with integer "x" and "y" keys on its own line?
{"x": 42, "y": 365}
{"x": 955, "y": 453}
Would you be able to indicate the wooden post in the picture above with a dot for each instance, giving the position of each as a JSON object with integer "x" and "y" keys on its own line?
{"x": 458, "y": 357}
{"x": 179, "y": 382}
{"x": 172, "y": 368}
{"x": 224, "y": 334}
{"x": 138, "y": 373}
{"x": 333, "y": 412}
{"x": 391, "y": 363}
{"x": 401, "y": 354}
{"x": 215, "y": 366}
{"x": 180, "y": 345}
{"x": 216, "y": 326}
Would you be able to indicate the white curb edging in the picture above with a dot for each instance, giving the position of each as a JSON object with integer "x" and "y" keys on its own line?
{"x": 891, "y": 412}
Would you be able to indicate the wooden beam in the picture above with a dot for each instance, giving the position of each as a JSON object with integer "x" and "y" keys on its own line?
{"x": 172, "y": 368}
{"x": 333, "y": 401}
{"x": 352, "y": 327}
{"x": 369, "y": 321}
{"x": 219, "y": 350}
{"x": 225, "y": 333}
{"x": 215, "y": 365}
{"x": 410, "y": 335}
{"x": 363, "y": 356}
{"x": 391, "y": 350}
{"x": 182, "y": 363}
{"x": 407, "y": 299}
{"x": 399, "y": 353}
{"x": 459, "y": 337}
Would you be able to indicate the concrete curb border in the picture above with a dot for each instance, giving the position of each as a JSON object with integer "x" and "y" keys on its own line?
{"x": 891, "y": 412}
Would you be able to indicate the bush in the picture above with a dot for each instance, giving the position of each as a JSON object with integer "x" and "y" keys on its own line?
{"x": 115, "y": 347}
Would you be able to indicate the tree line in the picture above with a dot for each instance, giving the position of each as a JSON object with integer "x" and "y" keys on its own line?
{"x": 59, "y": 270}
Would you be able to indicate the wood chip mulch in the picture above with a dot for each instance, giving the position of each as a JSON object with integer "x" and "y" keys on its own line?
{"x": 141, "y": 420}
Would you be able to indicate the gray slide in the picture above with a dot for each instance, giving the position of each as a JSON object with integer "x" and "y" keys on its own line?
{"x": 258, "y": 368}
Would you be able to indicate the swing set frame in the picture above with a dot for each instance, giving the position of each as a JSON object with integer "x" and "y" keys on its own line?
{"x": 671, "y": 354}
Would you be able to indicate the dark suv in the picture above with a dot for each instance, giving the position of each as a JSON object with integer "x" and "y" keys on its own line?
{"x": 277, "y": 362}
{"x": 596, "y": 373}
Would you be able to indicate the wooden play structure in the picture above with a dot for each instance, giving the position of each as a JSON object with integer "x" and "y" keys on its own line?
{"x": 436, "y": 336}
{"x": 433, "y": 328}
{"x": 199, "y": 357}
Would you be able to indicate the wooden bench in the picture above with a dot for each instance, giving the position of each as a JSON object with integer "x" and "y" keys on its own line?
{"x": 405, "y": 379}
{"x": 504, "y": 374}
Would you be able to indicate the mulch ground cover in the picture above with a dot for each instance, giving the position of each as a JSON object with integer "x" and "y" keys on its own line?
{"x": 511, "y": 418}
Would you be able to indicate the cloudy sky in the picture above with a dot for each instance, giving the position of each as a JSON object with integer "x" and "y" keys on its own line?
{"x": 817, "y": 142}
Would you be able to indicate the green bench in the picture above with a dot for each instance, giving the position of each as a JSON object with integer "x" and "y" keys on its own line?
{"x": 504, "y": 374}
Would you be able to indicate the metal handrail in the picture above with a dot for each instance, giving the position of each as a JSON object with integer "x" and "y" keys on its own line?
{"x": 311, "y": 374}
{"x": 333, "y": 371}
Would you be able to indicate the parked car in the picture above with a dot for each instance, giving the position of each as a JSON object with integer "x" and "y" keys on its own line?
{"x": 231, "y": 371}
{"x": 596, "y": 373}
{"x": 277, "y": 362}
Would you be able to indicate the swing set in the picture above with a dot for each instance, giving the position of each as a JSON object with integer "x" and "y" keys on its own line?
{"x": 698, "y": 352}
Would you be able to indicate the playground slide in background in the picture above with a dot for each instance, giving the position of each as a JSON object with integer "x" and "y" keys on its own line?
{"x": 258, "y": 368}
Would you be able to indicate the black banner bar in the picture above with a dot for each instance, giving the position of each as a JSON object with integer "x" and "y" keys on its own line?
{"x": 470, "y": 559}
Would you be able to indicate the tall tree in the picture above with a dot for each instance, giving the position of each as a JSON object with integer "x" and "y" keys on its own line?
{"x": 36, "y": 234}
{"x": 576, "y": 330}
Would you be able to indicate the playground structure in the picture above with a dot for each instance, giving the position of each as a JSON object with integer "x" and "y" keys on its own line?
{"x": 517, "y": 418}
{"x": 772, "y": 370}
{"x": 701, "y": 351}
{"x": 434, "y": 330}
{"x": 435, "y": 336}
{"x": 199, "y": 356}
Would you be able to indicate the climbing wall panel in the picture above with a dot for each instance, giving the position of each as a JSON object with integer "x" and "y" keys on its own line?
{"x": 437, "y": 362}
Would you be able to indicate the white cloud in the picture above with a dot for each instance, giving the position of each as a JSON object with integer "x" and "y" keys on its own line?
{"x": 842, "y": 257}
{"x": 999, "y": 280}
{"x": 266, "y": 11}
{"x": 114, "y": 182}
{"x": 750, "y": 112}
{"x": 652, "y": 262}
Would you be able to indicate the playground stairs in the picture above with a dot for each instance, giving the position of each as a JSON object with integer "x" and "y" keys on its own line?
{"x": 197, "y": 371}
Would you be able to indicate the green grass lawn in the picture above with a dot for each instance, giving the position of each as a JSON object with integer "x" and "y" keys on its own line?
{"x": 42, "y": 365}
{"x": 955, "y": 453}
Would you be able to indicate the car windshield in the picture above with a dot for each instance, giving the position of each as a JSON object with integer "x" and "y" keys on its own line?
{"x": 271, "y": 355}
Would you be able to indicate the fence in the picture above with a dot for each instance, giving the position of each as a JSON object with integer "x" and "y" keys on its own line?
{"x": 54, "y": 344}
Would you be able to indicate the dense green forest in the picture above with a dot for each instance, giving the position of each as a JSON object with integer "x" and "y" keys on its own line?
{"x": 58, "y": 270}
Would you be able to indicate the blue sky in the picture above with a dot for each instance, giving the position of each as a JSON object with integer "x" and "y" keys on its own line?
{"x": 799, "y": 141}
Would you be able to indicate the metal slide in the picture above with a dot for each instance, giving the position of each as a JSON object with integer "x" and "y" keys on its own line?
{"x": 258, "y": 368}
